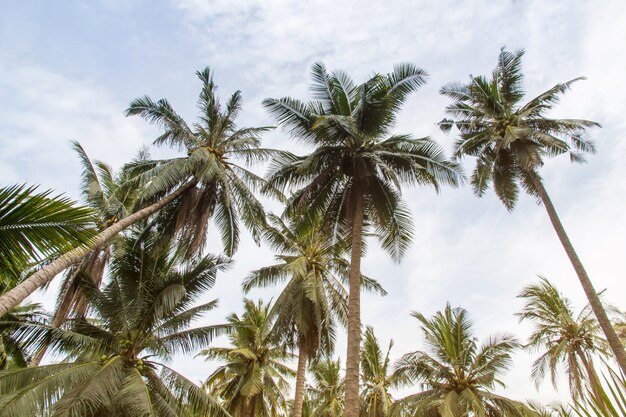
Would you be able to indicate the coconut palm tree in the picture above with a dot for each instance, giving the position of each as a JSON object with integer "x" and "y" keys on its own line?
{"x": 328, "y": 390}
{"x": 510, "y": 141}
{"x": 214, "y": 148}
{"x": 354, "y": 175}
{"x": 457, "y": 374}
{"x": 116, "y": 359}
{"x": 561, "y": 337}
{"x": 314, "y": 298}
{"x": 377, "y": 378}
{"x": 36, "y": 227}
{"x": 111, "y": 197}
{"x": 207, "y": 182}
{"x": 253, "y": 379}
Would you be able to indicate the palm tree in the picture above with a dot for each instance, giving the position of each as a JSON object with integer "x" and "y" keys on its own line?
{"x": 36, "y": 227}
{"x": 214, "y": 145}
{"x": 457, "y": 373}
{"x": 561, "y": 337}
{"x": 116, "y": 363}
{"x": 206, "y": 182}
{"x": 313, "y": 297}
{"x": 111, "y": 197}
{"x": 328, "y": 389}
{"x": 376, "y": 376}
{"x": 510, "y": 141}
{"x": 252, "y": 381}
{"x": 353, "y": 177}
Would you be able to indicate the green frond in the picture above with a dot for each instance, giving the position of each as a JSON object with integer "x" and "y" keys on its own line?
{"x": 456, "y": 372}
{"x": 295, "y": 117}
{"x": 406, "y": 78}
{"x": 161, "y": 113}
{"x": 35, "y": 226}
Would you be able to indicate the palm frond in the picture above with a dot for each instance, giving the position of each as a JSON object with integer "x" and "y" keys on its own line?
{"x": 36, "y": 225}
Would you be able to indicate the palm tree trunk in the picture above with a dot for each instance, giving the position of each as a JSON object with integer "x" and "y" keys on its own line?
{"x": 300, "y": 377}
{"x": 16, "y": 295}
{"x": 354, "y": 315}
{"x": 592, "y": 295}
{"x": 252, "y": 406}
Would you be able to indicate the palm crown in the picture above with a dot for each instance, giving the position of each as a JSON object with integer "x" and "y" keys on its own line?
{"x": 377, "y": 378}
{"x": 353, "y": 160}
{"x": 326, "y": 393}
{"x": 566, "y": 338}
{"x": 313, "y": 265}
{"x": 252, "y": 381}
{"x": 221, "y": 186}
{"x": 458, "y": 374}
{"x": 111, "y": 197}
{"x": 510, "y": 139}
{"x": 510, "y": 142}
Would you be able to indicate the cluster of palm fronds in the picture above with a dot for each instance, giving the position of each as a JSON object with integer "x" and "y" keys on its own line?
{"x": 136, "y": 270}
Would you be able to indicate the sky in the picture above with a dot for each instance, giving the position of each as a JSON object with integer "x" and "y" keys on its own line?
{"x": 68, "y": 70}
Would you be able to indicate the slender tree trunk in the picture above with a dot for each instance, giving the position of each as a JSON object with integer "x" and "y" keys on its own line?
{"x": 592, "y": 295}
{"x": 300, "y": 377}
{"x": 16, "y": 295}
{"x": 252, "y": 406}
{"x": 354, "y": 315}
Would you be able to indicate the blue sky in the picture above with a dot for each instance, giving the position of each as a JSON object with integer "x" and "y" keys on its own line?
{"x": 69, "y": 69}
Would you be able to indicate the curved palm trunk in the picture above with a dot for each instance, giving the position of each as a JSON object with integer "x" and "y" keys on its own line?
{"x": 16, "y": 295}
{"x": 300, "y": 377}
{"x": 592, "y": 295}
{"x": 72, "y": 299}
{"x": 354, "y": 315}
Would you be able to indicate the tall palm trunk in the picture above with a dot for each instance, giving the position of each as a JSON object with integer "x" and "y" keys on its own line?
{"x": 354, "y": 314}
{"x": 252, "y": 406}
{"x": 592, "y": 295}
{"x": 16, "y": 295}
{"x": 300, "y": 377}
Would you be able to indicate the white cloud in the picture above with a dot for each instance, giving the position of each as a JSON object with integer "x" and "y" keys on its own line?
{"x": 45, "y": 111}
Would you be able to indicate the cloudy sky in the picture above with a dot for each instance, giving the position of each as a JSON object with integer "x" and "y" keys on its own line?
{"x": 69, "y": 69}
